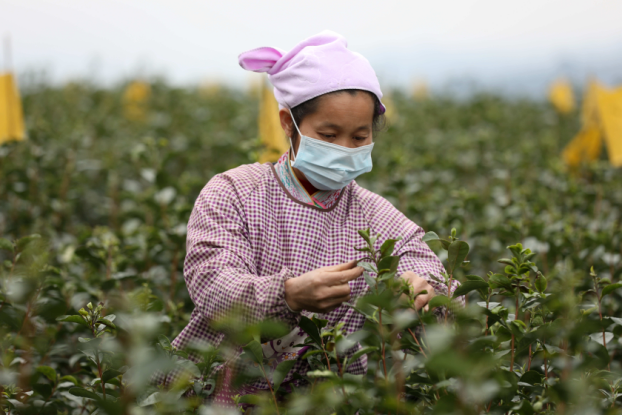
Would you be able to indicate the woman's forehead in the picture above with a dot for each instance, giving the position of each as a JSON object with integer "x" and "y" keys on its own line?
{"x": 335, "y": 108}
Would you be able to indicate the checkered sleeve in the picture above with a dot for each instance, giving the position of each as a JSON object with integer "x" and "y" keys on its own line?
{"x": 219, "y": 268}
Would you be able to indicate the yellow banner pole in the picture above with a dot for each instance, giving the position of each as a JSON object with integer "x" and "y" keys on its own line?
{"x": 11, "y": 115}
{"x": 7, "y": 87}
{"x": 271, "y": 134}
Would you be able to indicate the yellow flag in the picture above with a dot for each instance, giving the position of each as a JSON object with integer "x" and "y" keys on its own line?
{"x": 11, "y": 115}
{"x": 601, "y": 115}
{"x": 609, "y": 104}
{"x": 589, "y": 109}
{"x": 561, "y": 96}
{"x": 135, "y": 99}
{"x": 586, "y": 146}
{"x": 270, "y": 132}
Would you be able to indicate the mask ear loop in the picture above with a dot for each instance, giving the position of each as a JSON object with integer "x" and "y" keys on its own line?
{"x": 299, "y": 133}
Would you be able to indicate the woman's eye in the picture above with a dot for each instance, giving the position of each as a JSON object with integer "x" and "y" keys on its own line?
{"x": 360, "y": 138}
{"x": 329, "y": 135}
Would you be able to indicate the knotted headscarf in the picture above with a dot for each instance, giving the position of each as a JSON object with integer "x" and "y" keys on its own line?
{"x": 315, "y": 66}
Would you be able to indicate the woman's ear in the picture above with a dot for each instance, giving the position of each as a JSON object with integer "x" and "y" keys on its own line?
{"x": 286, "y": 121}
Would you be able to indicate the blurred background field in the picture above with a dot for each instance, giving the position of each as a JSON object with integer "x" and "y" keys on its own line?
{"x": 489, "y": 166}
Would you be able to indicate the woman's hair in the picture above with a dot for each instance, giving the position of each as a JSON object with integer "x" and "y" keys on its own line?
{"x": 300, "y": 111}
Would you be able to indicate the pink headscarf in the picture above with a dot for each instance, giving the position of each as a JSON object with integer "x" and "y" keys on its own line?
{"x": 315, "y": 66}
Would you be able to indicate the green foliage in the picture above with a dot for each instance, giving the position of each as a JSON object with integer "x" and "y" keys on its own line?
{"x": 92, "y": 225}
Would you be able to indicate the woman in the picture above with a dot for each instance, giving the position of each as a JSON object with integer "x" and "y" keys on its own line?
{"x": 279, "y": 238}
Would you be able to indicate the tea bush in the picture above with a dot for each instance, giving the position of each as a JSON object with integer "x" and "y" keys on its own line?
{"x": 93, "y": 214}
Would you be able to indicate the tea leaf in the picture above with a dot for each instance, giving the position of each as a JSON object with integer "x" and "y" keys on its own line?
{"x": 150, "y": 399}
{"x": 311, "y": 329}
{"x": 608, "y": 289}
{"x": 368, "y": 267}
{"x": 83, "y": 393}
{"x": 387, "y": 247}
{"x": 531, "y": 377}
{"x": 164, "y": 342}
{"x": 389, "y": 264}
{"x": 365, "y": 235}
{"x": 433, "y": 237}
{"x": 254, "y": 351}
{"x": 501, "y": 281}
{"x": 109, "y": 374}
{"x": 21, "y": 243}
{"x": 48, "y": 372}
{"x": 468, "y": 286}
{"x": 474, "y": 278}
{"x": 73, "y": 319}
{"x": 371, "y": 282}
{"x": 69, "y": 378}
{"x": 107, "y": 322}
{"x": 6, "y": 245}
{"x": 438, "y": 301}
{"x": 281, "y": 372}
{"x": 541, "y": 283}
{"x": 456, "y": 254}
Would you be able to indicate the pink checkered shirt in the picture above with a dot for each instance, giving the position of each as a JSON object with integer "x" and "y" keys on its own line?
{"x": 247, "y": 235}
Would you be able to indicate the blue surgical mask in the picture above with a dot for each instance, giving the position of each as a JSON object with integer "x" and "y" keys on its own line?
{"x": 330, "y": 166}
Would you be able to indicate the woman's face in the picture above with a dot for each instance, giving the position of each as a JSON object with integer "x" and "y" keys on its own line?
{"x": 341, "y": 119}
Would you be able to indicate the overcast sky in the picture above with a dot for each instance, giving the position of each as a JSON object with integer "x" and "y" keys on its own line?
{"x": 489, "y": 41}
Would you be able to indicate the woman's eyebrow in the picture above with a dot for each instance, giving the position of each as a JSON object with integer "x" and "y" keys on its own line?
{"x": 338, "y": 127}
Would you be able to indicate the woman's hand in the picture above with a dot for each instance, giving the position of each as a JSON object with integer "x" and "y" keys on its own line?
{"x": 419, "y": 284}
{"x": 321, "y": 290}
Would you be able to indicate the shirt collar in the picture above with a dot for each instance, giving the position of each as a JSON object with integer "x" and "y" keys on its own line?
{"x": 323, "y": 199}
